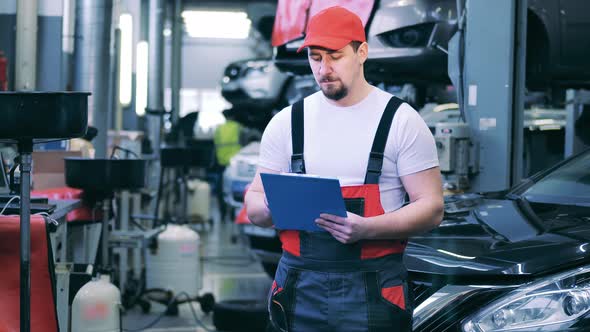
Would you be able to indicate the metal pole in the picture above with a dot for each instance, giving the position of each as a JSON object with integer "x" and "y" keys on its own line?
{"x": 136, "y": 251}
{"x": 105, "y": 233}
{"x": 26, "y": 45}
{"x": 124, "y": 198}
{"x": 155, "y": 73}
{"x": 518, "y": 87}
{"x": 176, "y": 71}
{"x": 25, "y": 148}
{"x": 491, "y": 89}
{"x": 114, "y": 108}
{"x": 93, "y": 35}
{"x": 145, "y": 20}
{"x": 575, "y": 101}
{"x": 67, "y": 42}
{"x": 155, "y": 103}
{"x": 183, "y": 186}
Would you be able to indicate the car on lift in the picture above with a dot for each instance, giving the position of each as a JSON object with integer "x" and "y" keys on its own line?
{"x": 408, "y": 42}
{"x": 289, "y": 27}
{"x": 253, "y": 83}
{"x": 514, "y": 260}
{"x": 256, "y": 87}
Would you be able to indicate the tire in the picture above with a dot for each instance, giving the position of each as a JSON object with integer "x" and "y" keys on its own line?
{"x": 240, "y": 316}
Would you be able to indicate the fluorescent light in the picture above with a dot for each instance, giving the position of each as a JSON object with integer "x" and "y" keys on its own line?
{"x": 217, "y": 24}
{"x": 126, "y": 59}
{"x": 141, "y": 78}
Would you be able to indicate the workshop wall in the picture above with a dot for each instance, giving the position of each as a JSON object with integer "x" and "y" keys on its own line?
{"x": 48, "y": 42}
{"x": 205, "y": 59}
{"x": 7, "y": 35}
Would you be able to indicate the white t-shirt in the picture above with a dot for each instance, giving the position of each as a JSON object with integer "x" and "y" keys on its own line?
{"x": 338, "y": 140}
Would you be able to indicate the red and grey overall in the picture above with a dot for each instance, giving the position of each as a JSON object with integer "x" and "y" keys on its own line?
{"x": 324, "y": 285}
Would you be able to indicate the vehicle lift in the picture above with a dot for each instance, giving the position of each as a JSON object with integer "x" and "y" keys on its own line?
{"x": 487, "y": 63}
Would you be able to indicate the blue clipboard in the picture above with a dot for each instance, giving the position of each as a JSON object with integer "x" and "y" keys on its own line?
{"x": 295, "y": 201}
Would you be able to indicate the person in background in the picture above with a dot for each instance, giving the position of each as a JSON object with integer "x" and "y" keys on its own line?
{"x": 227, "y": 137}
{"x": 228, "y": 142}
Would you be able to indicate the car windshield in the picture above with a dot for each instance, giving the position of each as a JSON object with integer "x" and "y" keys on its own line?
{"x": 568, "y": 184}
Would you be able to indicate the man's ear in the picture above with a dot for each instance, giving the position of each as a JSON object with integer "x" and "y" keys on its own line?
{"x": 363, "y": 52}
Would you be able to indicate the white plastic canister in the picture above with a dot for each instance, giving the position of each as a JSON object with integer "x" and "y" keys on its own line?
{"x": 96, "y": 307}
{"x": 175, "y": 265}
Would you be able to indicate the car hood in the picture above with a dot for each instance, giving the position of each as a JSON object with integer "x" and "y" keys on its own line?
{"x": 485, "y": 237}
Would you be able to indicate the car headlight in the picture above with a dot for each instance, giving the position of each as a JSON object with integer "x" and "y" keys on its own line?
{"x": 551, "y": 304}
{"x": 413, "y": 36}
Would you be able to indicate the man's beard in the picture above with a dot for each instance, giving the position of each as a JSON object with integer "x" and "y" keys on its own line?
{"x": 333, "y": 91}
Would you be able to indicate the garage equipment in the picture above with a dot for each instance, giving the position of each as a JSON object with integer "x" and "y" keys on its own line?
{"x": 96, "y": 306}
{"x": 26, "y": 118}
{"x": 173, "y": 262}
{"x": 491, "y": 93}
{"x": 456, "y": 154}
{"x": 108, "y": 175}
{"x": 199, "y": 156}
{"x": 198, "y": 201}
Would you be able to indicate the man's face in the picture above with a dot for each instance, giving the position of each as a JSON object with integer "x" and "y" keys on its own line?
{"x": 335, "y": 70}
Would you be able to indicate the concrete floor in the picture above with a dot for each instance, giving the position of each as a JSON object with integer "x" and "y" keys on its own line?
{"x": 230, "y": 272}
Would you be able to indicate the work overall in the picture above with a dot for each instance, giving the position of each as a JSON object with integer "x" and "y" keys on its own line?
{"x": 324, "y": 285}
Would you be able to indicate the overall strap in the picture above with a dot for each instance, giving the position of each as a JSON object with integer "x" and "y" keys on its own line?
{"x": 297, "y": 161}
{"x": 376, "y": 157}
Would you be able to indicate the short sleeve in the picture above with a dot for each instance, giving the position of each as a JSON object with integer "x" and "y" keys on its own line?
{"x": 414, "y": 142}
{"x": 275, "y": 143}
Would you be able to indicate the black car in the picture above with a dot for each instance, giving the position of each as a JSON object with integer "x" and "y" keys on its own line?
{"x": 517, "y": 260}
{"x": 509, "y": 261}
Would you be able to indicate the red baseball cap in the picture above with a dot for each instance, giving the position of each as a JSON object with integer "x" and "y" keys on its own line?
{"x": 333, "y": 28}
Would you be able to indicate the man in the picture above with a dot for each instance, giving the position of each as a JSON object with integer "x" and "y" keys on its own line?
{"x": 351, "y": 277}
{"x": 227, "y": 140}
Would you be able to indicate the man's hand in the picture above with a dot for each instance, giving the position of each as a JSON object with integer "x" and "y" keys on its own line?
{"x": 346, "y": 230}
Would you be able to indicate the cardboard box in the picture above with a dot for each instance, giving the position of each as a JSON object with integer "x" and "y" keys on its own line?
{"x": 49, "y": 168}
